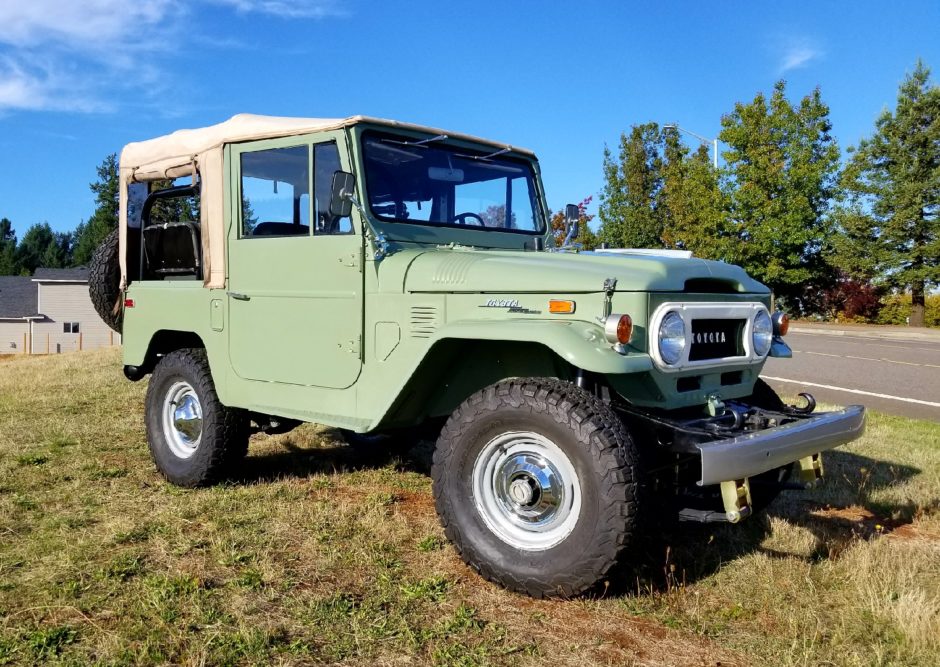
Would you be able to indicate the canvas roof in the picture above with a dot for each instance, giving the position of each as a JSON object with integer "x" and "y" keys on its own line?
{"x": 180, "y": 147}
{"x": 185, "y": 152}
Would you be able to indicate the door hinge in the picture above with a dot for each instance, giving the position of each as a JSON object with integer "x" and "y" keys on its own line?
{"x": 353, "y": 259}
{"x": 354, "y": 346}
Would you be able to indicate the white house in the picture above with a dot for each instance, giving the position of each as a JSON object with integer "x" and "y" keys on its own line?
{"x": 50, "y": 313}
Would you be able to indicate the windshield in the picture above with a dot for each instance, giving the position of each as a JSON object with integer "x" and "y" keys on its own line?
{"x": 427, "y": 182}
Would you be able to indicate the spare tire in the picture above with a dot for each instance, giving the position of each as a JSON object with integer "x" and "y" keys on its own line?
{"x": 104, "y": 282}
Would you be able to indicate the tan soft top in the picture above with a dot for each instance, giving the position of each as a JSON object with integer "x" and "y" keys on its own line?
{"x": 185, "y": 152}
{"x": 159, "y": 157}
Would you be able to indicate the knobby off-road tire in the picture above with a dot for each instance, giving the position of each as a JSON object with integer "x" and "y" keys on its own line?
{"x": 193, "y": 438}
{"x": 104, "y": 282}
{"x": 522, "y": 433}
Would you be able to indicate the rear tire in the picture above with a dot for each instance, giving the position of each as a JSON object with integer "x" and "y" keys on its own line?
{"x": 535, "y": 482}
{"x": 194, "y": 439}
{"x": 104, "y": 282}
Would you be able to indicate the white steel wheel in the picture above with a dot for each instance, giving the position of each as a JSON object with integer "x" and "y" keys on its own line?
{"x": 182, "y": 419}
{"x": 193, "y": 437}
{"x": 526, "y": 490}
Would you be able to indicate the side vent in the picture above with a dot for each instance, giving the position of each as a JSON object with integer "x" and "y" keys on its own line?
{"x": 424, "y": 321}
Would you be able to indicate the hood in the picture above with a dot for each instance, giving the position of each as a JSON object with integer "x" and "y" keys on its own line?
{"x": 467, "y": 270}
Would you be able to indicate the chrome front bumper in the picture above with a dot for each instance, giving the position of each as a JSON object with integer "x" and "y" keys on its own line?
{"x": 752, "y": 453}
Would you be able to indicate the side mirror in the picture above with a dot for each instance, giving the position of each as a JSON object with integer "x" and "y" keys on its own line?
{"x": 342, "y": 193}
{"x": 572, "y": 218}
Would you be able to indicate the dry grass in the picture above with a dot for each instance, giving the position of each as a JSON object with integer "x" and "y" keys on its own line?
{"x": 314, "y": 556}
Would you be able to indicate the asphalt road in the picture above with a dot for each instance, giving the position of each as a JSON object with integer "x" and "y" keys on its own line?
{"x": 900, "y": 377}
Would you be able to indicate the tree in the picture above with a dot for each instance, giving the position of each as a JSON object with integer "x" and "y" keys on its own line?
{"x": 691, "y": 200}
{"x": 630, "y": 212}
{"x": 104, "y": 220}
{"x": 8, "y": 265}
{"x": 780, "y": 176}
{"x": 889, "y": 218}
{"x": 41, "y": 247}
{"x": 586, "y": 238}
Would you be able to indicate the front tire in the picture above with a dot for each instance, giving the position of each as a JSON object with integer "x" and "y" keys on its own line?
{"x": 536, "y": 485}
{"x": 194, "y": 439}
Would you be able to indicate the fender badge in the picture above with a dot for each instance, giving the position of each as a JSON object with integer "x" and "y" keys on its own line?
{"x": 512, "y": 305}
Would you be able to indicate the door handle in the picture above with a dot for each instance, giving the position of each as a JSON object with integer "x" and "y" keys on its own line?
{"x": 238, "y": 296}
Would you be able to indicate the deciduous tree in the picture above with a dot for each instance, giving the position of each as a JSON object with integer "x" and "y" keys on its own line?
{"x": 780, "y": 176}
{"x": 586, "y": 237}
{"x": 630, "y": 212}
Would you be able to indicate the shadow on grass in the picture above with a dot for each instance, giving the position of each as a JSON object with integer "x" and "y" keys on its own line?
{"x": 301, "y": 462}
{"x": 672, "y": 554}
{"x": 837, "y": 514}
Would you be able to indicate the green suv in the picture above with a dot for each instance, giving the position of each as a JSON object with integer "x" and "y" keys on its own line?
{"x": 386, "y": 278}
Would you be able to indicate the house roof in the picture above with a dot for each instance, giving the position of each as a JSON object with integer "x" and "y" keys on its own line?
{"x": 19, "y": 297}
{"x": 77, "y": 274}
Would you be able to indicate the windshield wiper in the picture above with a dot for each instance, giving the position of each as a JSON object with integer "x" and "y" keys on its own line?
{"x": 440, "y": 137}
{"x": 485, "y": 157}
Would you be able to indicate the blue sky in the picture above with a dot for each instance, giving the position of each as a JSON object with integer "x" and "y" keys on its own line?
{"x": 80, "y": 78}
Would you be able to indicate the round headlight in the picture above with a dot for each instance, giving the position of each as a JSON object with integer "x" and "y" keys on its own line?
{"x": 671, "y": 338}
{"x": 762, "y": 333}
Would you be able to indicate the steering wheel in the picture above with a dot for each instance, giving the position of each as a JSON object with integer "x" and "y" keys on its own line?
{"x": 468, "y": 218}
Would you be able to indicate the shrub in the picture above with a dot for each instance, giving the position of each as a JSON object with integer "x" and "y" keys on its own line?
{"x": 896, "y": 308}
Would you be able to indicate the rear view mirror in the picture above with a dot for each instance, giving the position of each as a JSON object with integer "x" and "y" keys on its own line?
{"x": 445, "y": 174}
{"x": 342, "y": 193}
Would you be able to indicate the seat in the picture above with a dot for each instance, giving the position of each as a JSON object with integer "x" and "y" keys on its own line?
{"x": 280, "y": 229}
{"x": 172, "y": 249}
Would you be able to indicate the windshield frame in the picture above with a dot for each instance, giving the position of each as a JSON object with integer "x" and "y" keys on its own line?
{"x": 528, "y": 163}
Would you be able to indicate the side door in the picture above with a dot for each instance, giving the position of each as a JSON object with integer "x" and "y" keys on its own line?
{"x": 295, "y": 272}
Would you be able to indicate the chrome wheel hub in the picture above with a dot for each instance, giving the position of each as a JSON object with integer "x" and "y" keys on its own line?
{"x": 182, "y": 419}
{"x": 526, "y": 490}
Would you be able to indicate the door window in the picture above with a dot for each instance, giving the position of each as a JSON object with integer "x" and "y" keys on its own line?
{"x": 275, "y": 192}
{"x": 326, "y": 163}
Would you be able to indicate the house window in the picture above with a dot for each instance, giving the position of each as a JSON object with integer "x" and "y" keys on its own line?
{"x": 70, "y": 327}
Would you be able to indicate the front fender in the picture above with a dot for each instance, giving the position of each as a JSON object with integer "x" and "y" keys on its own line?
{"x": 581, "y": 344}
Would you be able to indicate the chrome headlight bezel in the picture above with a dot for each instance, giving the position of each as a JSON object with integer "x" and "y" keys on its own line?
{"x": 762, "y": 333}
{"x": 672, "y": 332}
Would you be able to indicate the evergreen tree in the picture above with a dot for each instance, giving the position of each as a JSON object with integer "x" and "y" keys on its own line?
{"x": 41, "y": 247}
{"x": 890, "y": 223}
{"x": 8, "y": 265}
{"x": 630, "y": 212}
{"x": 780, "y": 177}
{"x": 104, "y": 220}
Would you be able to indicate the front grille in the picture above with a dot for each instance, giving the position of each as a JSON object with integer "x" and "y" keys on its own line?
{"x": 716, "y": 339}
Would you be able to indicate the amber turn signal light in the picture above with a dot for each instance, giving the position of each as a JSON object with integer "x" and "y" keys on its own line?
{"x": 559, "y": 306}
{"x": 618, "y": 329}
{"x": 781, "y": 323}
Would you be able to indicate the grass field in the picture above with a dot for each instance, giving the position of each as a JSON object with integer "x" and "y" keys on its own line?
{"x": 313, "y": 556}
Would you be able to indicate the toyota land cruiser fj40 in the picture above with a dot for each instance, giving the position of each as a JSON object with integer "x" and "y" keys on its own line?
{"x": 377, "y": 276}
